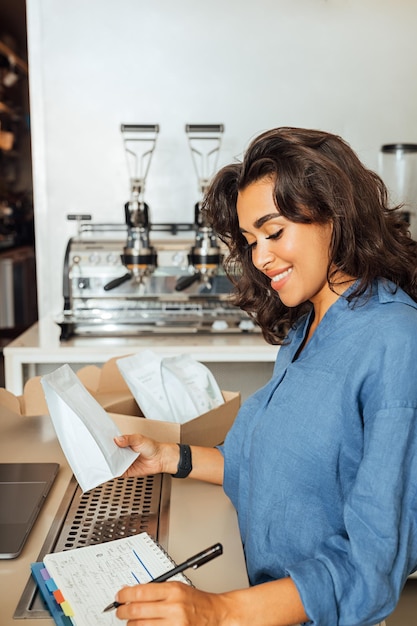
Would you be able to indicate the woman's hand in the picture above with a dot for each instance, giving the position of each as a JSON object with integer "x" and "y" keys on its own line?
{"x": 173, "y": 604}
{"x": 276, "y": 603}
{"x": 154, "y": 457}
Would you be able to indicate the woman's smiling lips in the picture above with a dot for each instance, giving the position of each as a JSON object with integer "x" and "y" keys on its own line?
{"x": 278, "y": 279}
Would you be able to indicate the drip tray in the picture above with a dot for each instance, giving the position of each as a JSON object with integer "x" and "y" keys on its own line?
{"x": 119, "y": 508}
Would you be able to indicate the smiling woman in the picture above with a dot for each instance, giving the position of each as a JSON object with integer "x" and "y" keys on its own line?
{"x": 320, "y": 463}
{"x": 293, "y": 178}
{"x": 293, "y": 255}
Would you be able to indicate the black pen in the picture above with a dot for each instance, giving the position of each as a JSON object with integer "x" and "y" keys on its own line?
{"x": 193, "y": 562}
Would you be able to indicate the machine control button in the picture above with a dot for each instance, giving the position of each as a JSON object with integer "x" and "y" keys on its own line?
{"x": 246, "y": 325}
{"x": 113, "y": 258}
{"x": 94, "y": 258}
{"x": 83, "y": 283}
{"x": 219, "y": 325}
{"x": 178, "y": 258}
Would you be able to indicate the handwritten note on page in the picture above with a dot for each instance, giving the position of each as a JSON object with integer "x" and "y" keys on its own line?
{"x": 89, "y": 577}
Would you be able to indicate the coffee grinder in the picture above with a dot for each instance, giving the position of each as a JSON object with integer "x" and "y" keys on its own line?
{"x": 205, "y": 256}
{"x": 398, "y": 170}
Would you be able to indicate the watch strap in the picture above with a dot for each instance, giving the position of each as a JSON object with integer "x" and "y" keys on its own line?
{"x": 185, "y": 463}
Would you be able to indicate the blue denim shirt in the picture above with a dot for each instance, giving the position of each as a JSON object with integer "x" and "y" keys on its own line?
{"x": 321, "y": 463}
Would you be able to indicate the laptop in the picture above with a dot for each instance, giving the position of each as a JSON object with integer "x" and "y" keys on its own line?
{"x": 23, "y": 490}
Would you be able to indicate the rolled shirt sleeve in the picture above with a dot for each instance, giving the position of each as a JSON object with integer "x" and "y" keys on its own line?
{"x": 358, "y": 573}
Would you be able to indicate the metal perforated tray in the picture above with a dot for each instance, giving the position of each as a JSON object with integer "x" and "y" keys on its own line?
{"x": 119, "y": 508}
{"x": 116, "y": 509}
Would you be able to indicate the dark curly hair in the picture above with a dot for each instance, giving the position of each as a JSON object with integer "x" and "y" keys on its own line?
{"x": 317, "y": 179}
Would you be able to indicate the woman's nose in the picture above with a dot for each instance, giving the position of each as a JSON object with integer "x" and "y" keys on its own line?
{"x": 262, "y": 255}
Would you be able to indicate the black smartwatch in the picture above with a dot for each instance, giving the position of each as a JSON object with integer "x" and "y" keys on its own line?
{"x": 184, "y": 464}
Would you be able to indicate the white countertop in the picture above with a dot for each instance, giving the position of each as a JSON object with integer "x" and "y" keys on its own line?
{"x": 43, "y": 338}
{"x": 41, "y": 344}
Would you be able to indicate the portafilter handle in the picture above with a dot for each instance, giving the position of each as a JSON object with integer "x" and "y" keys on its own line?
{"x": 184, "y": 282}
{"x": 117, "y": 282}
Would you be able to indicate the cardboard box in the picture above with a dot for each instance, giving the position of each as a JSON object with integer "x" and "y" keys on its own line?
{"x": 208, "y": 429}
{"x": 32, "y": 402}
{"x": 108, "y": 387}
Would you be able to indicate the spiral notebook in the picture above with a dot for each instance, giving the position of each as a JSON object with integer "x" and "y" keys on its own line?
{"x": 77, "y": 584}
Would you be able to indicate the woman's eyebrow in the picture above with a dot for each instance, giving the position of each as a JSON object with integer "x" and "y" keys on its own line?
{"x": 262, "y": 220}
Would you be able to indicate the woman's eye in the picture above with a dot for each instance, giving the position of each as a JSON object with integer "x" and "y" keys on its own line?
{"x": 276, "y": 235}
{"x": 250, "y": 245}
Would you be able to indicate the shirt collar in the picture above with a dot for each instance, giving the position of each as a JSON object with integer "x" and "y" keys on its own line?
{"x": 383, "y": 289}
{"x": 388, "y": 292}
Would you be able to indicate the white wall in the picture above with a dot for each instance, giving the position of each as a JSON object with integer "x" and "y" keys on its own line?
{"x": 347, "y": 66}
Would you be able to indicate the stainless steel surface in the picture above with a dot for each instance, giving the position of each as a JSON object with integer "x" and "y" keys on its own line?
{"x": 101, "y": 299}
{"x": 119, "y": 508}
{"x": 398, "y": 169}
{"x": 7, "y": 317}
{"x": 205, "y": 256}
{"x": 18, "y": 305}
{"x": 139, "y": 141}
{"x": 204, "y": 141}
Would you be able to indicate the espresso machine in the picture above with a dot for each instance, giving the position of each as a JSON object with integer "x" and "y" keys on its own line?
{"x": 119, "y": 282}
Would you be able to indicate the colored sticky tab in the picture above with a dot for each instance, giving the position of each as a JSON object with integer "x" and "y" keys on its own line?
{"x": 44, "y": 573}
{"x": 65, "y": 606}
{"x": 58, "y": 596}
{"x": 50, "y": 585}
{"x": 46, "y": 587}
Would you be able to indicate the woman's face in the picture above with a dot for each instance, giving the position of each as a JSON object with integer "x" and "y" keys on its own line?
{"x": 294, "y": 256}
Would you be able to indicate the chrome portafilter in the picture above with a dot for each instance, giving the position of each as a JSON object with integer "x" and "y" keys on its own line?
{"x": 139, "y": 257}
{"x": 205, "y": 257}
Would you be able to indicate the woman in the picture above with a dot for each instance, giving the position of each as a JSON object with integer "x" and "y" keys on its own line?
{"x": 321, "y": 463}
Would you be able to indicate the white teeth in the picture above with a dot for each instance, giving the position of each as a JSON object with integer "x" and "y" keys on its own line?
{"x": 282, "y": 275}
